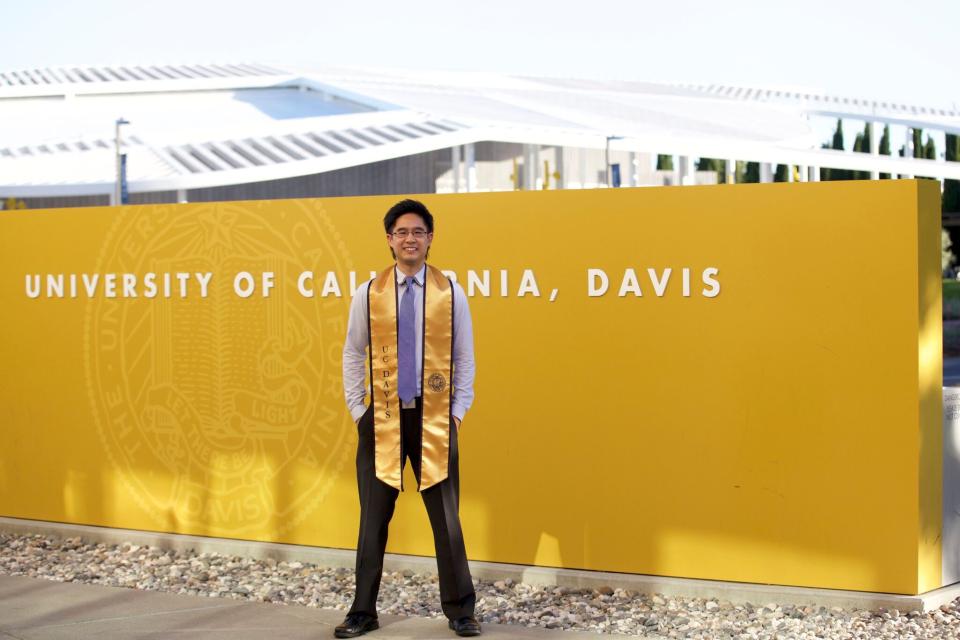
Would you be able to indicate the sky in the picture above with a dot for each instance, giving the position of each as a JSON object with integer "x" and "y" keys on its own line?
{"x": 900, "y": 51}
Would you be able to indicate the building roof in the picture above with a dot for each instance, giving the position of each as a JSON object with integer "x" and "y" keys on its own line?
{"x": 819, "y": 103}
{"x": 204, "y": 125}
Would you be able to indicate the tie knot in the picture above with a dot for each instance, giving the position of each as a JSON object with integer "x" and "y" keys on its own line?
{"x": 409, "y": 280}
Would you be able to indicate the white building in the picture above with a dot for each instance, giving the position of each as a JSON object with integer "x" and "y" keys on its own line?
{"x": 246, "y": 131}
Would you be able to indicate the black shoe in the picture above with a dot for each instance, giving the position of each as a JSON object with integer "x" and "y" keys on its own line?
{"x": 356, "y": 624}
{"x": 466, "y": 626}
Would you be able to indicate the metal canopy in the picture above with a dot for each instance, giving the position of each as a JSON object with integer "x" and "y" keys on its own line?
{"x": 206, "y": 125}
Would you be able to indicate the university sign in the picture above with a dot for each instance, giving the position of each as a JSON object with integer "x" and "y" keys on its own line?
{"x": 734, "y": 382}
{"x": 180, "y": 284}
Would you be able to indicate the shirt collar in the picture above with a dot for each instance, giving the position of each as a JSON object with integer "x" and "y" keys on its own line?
{"x": 418, "y": 277}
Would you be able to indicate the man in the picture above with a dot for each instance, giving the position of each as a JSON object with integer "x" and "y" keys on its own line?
{"x": 416, "y": 325}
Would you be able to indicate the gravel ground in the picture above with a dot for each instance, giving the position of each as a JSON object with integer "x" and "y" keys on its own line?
{"x": 605, "y": 610}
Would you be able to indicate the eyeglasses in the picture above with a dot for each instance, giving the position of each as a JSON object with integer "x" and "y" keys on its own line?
{"x": 402, "y": 234}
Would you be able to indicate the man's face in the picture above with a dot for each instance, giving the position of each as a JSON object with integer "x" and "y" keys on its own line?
{"x": 408, "y": 248}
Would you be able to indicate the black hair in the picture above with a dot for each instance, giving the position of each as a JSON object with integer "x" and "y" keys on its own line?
{"x": 407, "y": 206}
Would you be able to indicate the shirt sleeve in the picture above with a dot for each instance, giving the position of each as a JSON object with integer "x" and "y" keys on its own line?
{"x": 464, "y": 366}
{"x": 355, "y": 354}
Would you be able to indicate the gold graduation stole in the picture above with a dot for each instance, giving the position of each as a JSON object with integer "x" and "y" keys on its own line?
{"x": 437, "y": 373}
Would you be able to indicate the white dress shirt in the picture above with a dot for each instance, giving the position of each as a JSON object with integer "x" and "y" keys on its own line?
{"x": 355, "y": 364}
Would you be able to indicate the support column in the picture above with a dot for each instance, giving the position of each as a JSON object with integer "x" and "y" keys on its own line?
{"x": 731, "y": 173}
{"x": 529, "y": 168}
{"x": 875, "y": 148}
{"x": 803, "y": 172}
{"x": 582, "y": 166}
{"x": 677, "y": 171}
{"x": 607, "y": 182}
{"x": 790, "y": 173}
{"x": 182, "y": 196}
{"x": 814, "y": 174}
{"x": 942, "y": 164}
{"x": 469, "y": 151}
{"x": 907, "y": 149}
{"x": 537, "y": 166}
{"x": 455, "y": 167}
{"x": 682, "y": 169}
{"x": 560, "y": 175}
{"x": 688, "y": 177}
{"x": 632, "y": 172}
{"x": 766, "y": 172}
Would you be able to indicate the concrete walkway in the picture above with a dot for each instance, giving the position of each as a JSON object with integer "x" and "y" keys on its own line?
{"x": 36, "y": 609}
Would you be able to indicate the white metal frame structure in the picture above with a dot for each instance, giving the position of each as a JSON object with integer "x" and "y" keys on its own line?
{"x": 210, "y": 125}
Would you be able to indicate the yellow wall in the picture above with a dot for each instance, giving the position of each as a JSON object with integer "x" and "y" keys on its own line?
{"x": 785, "y": 431}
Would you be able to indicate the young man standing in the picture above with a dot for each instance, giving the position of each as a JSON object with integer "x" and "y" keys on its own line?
{"x": 416, "y": 325}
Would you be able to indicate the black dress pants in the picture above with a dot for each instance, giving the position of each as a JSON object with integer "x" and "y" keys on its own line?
{"x": 377, "y": 500}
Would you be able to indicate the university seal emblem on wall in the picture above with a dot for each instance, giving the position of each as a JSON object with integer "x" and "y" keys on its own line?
{"x": 223, "y": 415}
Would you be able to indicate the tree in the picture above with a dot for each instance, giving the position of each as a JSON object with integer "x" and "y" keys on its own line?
{"x": 921, "y": 149}
{"x": 836, "y": 143}
{"x": 862, "y": 145}
{"x": 866, "y": 137}
{"x": 927, "y": 150}
{"x": 885, "y": 141}
{"x": 838, "y": 136}
{"x": 885, "y": 147}
{"x": 664, "y": 162}
{"x": 750, "y": 172}
{"x": 714, "y": 164}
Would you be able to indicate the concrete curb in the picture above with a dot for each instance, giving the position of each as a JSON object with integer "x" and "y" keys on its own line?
{"x": 735, "y": 592}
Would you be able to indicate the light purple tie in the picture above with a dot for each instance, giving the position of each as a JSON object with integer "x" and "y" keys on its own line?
{"x": 407, "y": 345}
